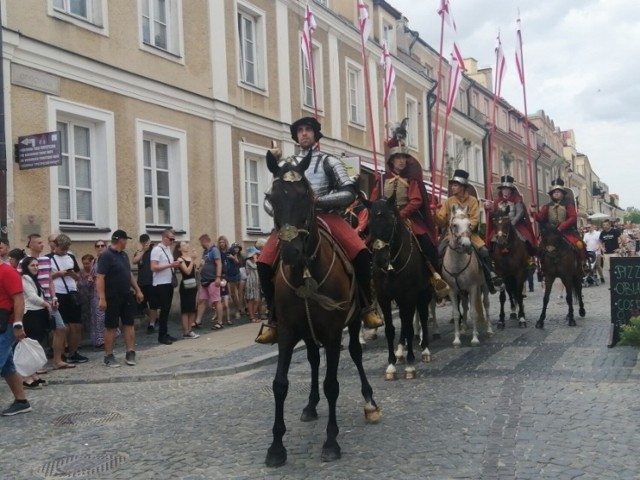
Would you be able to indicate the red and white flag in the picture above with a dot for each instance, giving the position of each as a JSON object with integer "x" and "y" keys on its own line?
{"x": 389, "y": 74}
{"x": 445, "y": 12}
{"x": 457, "y": 67}
{"x": 501, "y": 66}
{"x": 519, "y": 62}
{"x": 363, "y": 21}
{"x": 307, "y": 32}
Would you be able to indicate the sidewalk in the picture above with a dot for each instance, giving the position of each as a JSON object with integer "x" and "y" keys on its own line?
{"x": 217, "y": 352}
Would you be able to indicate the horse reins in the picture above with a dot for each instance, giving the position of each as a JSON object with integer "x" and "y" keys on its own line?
{"x": 380, "y": 244}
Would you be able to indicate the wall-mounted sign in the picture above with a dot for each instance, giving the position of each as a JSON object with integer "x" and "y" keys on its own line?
{"x": 39, "y": 150}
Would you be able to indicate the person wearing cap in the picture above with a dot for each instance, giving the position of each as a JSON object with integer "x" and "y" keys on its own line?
{"x": 561, "y": 213}
{"x": 463, "y": 195}
{"x": 334, "y": 190}
{"x": 403, "y": 181}
{"x": 509, "y": 200}
{"x": 114, "y": 282}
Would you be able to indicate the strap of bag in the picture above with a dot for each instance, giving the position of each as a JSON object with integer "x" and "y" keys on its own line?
{"x": 58, "y": 267}
{"x": 168, "y": 260}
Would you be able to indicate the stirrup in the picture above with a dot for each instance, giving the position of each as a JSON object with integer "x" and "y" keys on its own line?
{"x": 439, "y": 285}
{"x": 370, "y": 318}
{"x": 268, "y": 334}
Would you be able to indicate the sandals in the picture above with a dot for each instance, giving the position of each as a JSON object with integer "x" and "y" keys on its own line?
{"x": 217, "y": 326}
{"x": 196, "y": 326}
{"x": 229, "y": 322}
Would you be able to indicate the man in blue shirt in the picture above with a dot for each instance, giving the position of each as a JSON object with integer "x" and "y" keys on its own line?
{"x": 210, "y": 277}
{"x": 114, "y": 282}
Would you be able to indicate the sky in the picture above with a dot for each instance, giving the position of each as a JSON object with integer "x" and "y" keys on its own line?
{"x": 582, "y": 67}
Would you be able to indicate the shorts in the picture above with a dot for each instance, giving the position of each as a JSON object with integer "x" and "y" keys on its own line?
{"x": 120, "y": 308}
{"x": 149, "y": 298}
{"x": 71, "y": 313}
{"x": 56, "y": 321}
{"x": 36, "y": 324}
{"x": 211, "y": 292}
{"x": 7, "y": 367}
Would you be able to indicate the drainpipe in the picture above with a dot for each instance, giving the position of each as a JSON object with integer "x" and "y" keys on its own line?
{"x": 431, "y": 101}
{"x": 3, "y": 146}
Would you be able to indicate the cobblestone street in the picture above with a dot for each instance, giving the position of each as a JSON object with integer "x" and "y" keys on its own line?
{"x": 525, "y": 404}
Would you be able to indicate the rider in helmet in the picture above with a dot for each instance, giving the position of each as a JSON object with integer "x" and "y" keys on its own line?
{"x": 334, "y": 190}
{"x": 462, "y": 194}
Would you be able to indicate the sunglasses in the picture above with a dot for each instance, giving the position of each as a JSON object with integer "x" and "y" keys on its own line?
{"x": 172, "y": 239}
{"x": 100, "y": 245}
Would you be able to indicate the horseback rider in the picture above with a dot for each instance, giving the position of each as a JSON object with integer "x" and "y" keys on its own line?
{"x": 509, "y": 200}
{"x": 403, "y": 178}
{"x": 561, "y": 213}
{"x": 334, "y": 190}
{"x": 463, "y": 195}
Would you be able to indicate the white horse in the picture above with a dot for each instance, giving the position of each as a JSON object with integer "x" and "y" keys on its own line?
{"x": 462, "y": 270}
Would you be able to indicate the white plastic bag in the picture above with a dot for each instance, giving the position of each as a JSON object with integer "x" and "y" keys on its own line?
{"x": 28, "y": 357}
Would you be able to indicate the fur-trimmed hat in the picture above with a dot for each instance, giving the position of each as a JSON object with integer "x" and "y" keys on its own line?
{"x": 557, "y": 184}
{"x": 308, "y": 121}
{"x": 506, "y": 181}
{"x": 461, "y": 177}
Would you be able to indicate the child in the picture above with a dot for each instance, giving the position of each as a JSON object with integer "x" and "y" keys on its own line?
{"x": 252, "y": 290}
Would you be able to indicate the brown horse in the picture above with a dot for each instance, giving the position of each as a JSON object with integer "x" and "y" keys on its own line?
{"x": 315, "y": 296}
{"x": 560, "y": 260}
{"x": 509, "y": 254}
{"x": 399, "y": 273}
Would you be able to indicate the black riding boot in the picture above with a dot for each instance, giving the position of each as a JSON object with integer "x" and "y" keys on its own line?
{"x": 362, "y": 269}
{"x": 430, "y": 254}
{"x": 493, "y": 281}
{"x": 268, "y": 331}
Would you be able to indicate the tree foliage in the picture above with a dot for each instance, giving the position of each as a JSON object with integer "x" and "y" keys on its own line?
{"x": 632, "y": 216}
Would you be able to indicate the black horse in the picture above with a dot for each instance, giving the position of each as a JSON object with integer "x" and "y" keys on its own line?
{"x": 559, "y": 259}
{"x": 315, "y": 297}
{"x": 399, "y": 273}
{"x": 509, "y": 254}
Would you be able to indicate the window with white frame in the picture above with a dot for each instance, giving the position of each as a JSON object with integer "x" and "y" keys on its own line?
{"x": 87, "y": 10}
{"x": 411, "y": 112}
{"x": 476, "y": 166}
{"x": 256, "y": 182}
{"x": 83, "y": 186}
{"x": 388, "y": 35}
{"x": 251, "y": 46}
{"x": 163, "y": 182}
{"x": 161, "y": 24}
{"x": 307, "y": 86}
{"x": 355, "y": 93}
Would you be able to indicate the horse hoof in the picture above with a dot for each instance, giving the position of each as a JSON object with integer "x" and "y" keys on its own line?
{"x": 522, "y": 324}
{"x": 330, "y": 454}
{"x": 539, "y": 324}
{"x": 572, "y": 322}
{"x": 309, "y": 415}
{"x": 457, "y": 343}
{"x": 372, "y": 414}
{"x": 501, "y": 325}
{"x": 582, "y": 312}
{"x": 475, "y": 342}
{"x": 426, "y": 357}
{"x": 276, "y": 457}
{"x": 513, "y": 316}
{"x": 436, "y": 336}
{"x": 410, "y": 374}
{"x": 390, "y": 373}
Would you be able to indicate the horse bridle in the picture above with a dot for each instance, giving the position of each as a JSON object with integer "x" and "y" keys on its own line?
{"x": 506, "y": 236}
{"x": 379, "y": 244}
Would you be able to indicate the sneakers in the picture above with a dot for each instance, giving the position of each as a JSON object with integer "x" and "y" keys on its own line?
{"x": 130, "y": 358}
{"x": 16, "y": 408}
{"x": 77, "y": 358}
{"x": 34, "y": 385}
{"x": 110, "y": 361}
{"x": 191, "y": 334}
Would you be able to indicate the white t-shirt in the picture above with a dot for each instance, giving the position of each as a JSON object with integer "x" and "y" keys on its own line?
{"x": 163, "y": 256}
{"x": 60, "y": 263}
{"x": 592, "y": 241}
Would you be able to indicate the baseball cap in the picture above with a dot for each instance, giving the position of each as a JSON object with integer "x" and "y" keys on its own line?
{"x": 119, "y": 235}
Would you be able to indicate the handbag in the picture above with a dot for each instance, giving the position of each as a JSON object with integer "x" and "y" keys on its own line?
{"x": 74, "y": 296}
{"x": 28, "y": 357}
{"x": 189, "y": 283}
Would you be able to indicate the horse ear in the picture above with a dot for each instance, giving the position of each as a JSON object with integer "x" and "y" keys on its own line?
{"x": 272, "y": 163}
{"x": 304, "y": 164}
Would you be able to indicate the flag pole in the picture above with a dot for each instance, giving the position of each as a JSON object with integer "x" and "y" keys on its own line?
{"x": 532, "y": 179}
{"x": 437, "y": 120}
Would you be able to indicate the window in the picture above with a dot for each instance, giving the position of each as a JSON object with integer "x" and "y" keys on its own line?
{"x": 393, "y": 106}
{"x": 163, "y": 184}
{"x": 475, "y": 168}
{"x": 83, "y": 187}
{"x": 251, "y": 47}
{"x": 307, "y": 88}
{"x": 161, "y": 25}
{"x": 355, "y": 92}
{"x": 87, "y": 14}
{"x": 256, "y": 182}
{"x": 412, "y": 127}
{"x": 388, "y": 35}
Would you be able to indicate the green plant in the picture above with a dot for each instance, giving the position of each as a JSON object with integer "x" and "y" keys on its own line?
{"x": 630, "y": 333}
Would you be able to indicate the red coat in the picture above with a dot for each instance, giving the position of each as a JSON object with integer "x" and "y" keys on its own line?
{"x": 568, "y": 227}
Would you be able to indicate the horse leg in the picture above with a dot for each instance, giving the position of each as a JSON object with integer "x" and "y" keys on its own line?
{"x": 503, "y": 297}
{"x": 310, "y": 413}
{"x": 569, "y": 293}
{"x": 361, "y": 338}
{"x": 422, "y": 311}
{"x": 371, "y": 411}
{"x": 548, "y": 284}
{"x": 433, "y": 323}
{"x": 407, "y": 311}
{"x": 486, "y": 304}
{"x": 455, "y": 312}
{"x": 277, "y": 454}
{"x": 475, "y": 307}
{"x": 578, "y": 294}
{"x": 522, "y": 321}
{"x": 513, "y": 296}
{"x": 390, "y": 334}
{"x": 331, "y": 449}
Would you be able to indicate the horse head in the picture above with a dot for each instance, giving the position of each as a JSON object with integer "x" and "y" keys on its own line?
{"x": 502, "y": 227}
{"x": 460, "y": 229}
{"x": 292, "y": 200}
{"x": 383, "y": 224}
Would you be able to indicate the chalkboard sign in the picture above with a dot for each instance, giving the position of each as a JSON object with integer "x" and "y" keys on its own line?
{"x": 625, "y": 293}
